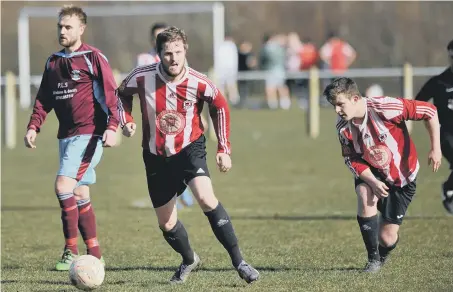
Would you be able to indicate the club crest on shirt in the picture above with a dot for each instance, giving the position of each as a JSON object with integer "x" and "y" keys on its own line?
{"x": 170, "y": 122}
{"x": 75, "y": 75}
{"x": 187, "y": 104}
{"x": 379, "y": 156}
{"x": 382, "y": 137}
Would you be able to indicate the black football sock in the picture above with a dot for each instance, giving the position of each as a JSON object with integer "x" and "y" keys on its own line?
{"x": 369, "y": 227}
{"x": 178, "y": 239}
{"x": 384, "y": 251}
{"x": 223, "y": 230}
{"x": 449, "y": 183}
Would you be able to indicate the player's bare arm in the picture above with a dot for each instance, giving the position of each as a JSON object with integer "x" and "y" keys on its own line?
{"x": 435, "y": 154}
{"x": 109, "y": 138}
{"x": 129, "y": 129}
{"x": 30, "y": 138}
{"x": 223, "y": 162}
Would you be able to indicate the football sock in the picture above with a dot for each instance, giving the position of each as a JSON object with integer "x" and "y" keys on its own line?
{"x": 178, "y": 239}
{"x": 285, "y": 102}
{"x": 369, "y": 227}
{"x": 87, "y": 227}
{"x": 449, "y": 183}
{"x": 69, "y": 218}
{"x": 384, "y": 251}
{"x": 223, "y": 230}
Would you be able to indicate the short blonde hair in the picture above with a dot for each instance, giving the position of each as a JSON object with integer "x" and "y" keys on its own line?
{"x": 69, "y": 10}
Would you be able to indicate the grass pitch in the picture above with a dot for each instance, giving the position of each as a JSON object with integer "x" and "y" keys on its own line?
{"x": 291, "y": 200}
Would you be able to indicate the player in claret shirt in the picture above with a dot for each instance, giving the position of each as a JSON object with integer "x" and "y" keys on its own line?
{"x": 78, "y": 84}
{"x": 378, "y": 150}
{"x": 171, "y": 97}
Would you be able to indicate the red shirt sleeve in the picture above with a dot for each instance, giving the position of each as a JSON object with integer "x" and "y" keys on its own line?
{"x": 220, "y": 115}
{"x": 104, "y": 74}
{"x": 43, "y": 103}
{"x": 414, "y": 110}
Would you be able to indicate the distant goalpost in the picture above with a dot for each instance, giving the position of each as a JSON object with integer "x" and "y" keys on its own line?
{"x": 216, "y": 8}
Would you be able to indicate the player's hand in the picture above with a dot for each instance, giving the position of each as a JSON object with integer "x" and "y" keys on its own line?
{"x": 109, "y": 138}
{"x": 435, "y": 159}
{"x": 223, "y": 162}
{"x": 380, "y": 189}
{"x": 129, "y": 129}
{"x": 29, "y": 138}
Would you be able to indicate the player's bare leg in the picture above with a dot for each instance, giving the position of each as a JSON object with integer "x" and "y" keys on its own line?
{"x": 87, "y": 221}
{"x": 388, "y": 239}
{"x": 176, "y": 236}
{"x": 271, "y": 97}
{"x": 201, "y": 187}
{"x": 233, "y": 92}
{"x": 285, "y": 101}
{"x": 369, "y": 225}
{"x": 64, "y": 187}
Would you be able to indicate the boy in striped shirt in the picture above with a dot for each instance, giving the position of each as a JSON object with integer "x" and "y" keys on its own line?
{"x": 378, "y": 150}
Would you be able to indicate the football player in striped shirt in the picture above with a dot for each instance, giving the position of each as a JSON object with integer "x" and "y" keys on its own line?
{"x": 148, "y": 58}
{"x": 171, "y": 97}
{"x": 378, "y": 150}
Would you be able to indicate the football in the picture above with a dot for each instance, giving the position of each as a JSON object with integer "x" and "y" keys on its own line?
{"x": 87, "y": 272}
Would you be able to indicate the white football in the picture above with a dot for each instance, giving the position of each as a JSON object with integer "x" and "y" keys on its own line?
{"x": 87, "y": 272}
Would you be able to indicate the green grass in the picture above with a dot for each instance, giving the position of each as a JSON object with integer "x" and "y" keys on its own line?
{"x": 291, "y": 200}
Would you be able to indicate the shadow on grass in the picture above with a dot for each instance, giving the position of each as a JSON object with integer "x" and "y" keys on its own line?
{"x": 9, "y": 268}
{"x": 320, "y": 217}
{"x": 203, "y": 269}
{"x": 49, "y": 282}
{"x": 8, "y": 281}
{"x": 29, "y": 208}
{"x": 228, "y": 269}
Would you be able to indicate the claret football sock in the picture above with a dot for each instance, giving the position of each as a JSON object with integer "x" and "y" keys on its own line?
{"x": 87, "y": 227}
{"x": 369, "y": 227}
{"x": 69, "y": 218}
{"x": 178, "y": 239}
{"x": 223, "y": 230}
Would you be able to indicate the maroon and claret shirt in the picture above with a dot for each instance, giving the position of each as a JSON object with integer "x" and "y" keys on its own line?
{"x": 80, "y": 87}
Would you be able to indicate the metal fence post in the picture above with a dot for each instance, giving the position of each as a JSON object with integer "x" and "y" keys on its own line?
{"x": 313, "y": 108}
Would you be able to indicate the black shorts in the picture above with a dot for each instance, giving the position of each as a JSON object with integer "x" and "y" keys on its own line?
{"x": 446, "y": 144}
{"x": 393, "y": 208}
{"x": 169, "y": 176}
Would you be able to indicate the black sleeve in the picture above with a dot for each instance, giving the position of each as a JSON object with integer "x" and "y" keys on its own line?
{"x": 428, "y": 90}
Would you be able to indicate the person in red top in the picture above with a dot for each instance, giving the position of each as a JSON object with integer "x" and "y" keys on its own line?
{"x": 378, "y": 150}
{"x": 171, "y": 97}
{"x": 78, "y": 84}
{"x": 338, "y": 54}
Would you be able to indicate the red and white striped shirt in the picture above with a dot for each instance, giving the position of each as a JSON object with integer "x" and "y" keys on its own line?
{"x": 382, "y": 140}
{"x": 171, "y": 111}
